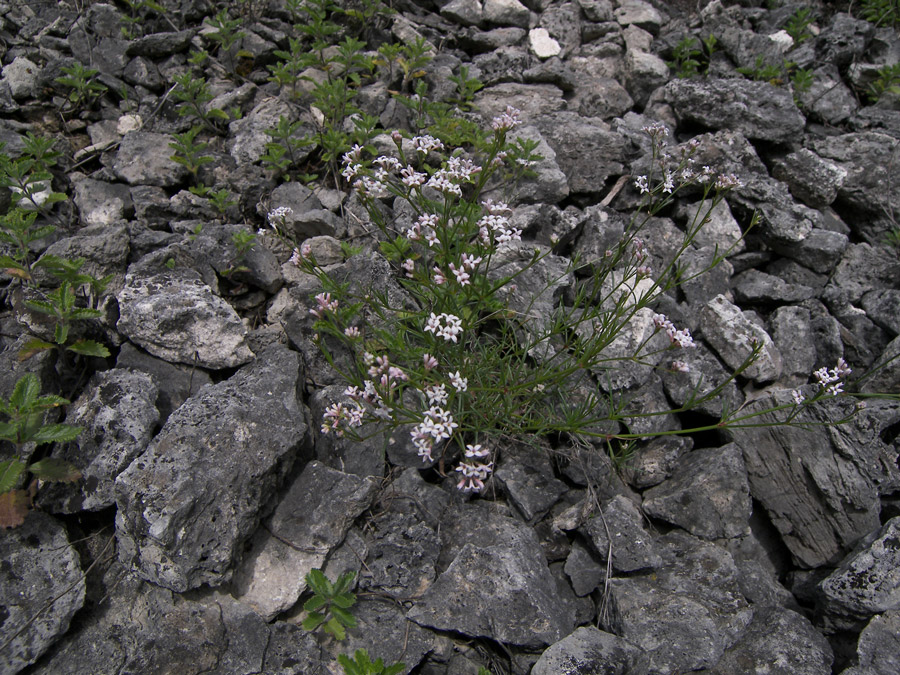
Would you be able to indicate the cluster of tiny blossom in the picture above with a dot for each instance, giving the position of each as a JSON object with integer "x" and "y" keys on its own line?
{"x": 497, "y": 226}
{"x": 508, "y": 120}
{"x": 276, "y": 216}
{"x": 459, "y": 382}
{"x": 727, "y": 182}
{"x": 444, "y": 325}
{"x": 436, "y": 394}
{"x": 425, "y": 144}
{"x": 438, "y": 424}
{"x": 828, "y": 380}
{"x": 324, "y": 304}
{"x": 337, "y": 413}
{"x": 640, "y": 255}
{"x": 473, "y": 476}
{"x": 682, "y": 338}
{"x": 680, "y": 366}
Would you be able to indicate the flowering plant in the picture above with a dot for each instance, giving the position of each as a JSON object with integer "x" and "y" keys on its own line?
{"x": 489, "y": 345}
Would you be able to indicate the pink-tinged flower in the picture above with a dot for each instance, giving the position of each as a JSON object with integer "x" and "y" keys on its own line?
{"x": 296, "y": 258}
{"x": 680, "y": 366}
{"x": 324, "y": 304}
{"x": 473, "y": 451}
{"x": 442, "y": 182}
{"x": 433, "y": 324}
{"x": 425, "y": 144}
{"x": 428, "y": 220}
{"x": 429, "y": 361}
{"x": 656, "y": 129}
{"x": 451, "y": 328}
{"x": 436, "y": 394}
{"x": 462, "y": 277}
{"x": 351, "y": 332}
{"x": 409, "y": 266}
{"x": 727, "y": 182}
{"x": 508, "y": 120}
{"x": 431, "y": 238}
{"x": 495, "y": 208}
{"x": 397, "y": 137}
{"x": 461, "y": 169}
{"x": 411, "y": 177}
{"x": 438, "y": 276}
{"x": 798, "y": 397}
{"x": 682, "y": 338}
{"x": 473, "y": 476}
{"x": 306, "y": 250}
{"x": 669, "y": 182}
{"x": 351, "y": 171}
{"x": 459, "y": 382}
{"x": 353, "y": 155}
{"x": 470, "y": 262}
{"x": 388, "y": 163}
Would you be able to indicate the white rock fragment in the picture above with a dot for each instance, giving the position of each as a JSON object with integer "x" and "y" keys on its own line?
{"x": 542, "y": 45}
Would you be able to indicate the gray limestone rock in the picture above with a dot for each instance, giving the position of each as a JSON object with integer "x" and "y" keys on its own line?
{"x": 777, "y": 640}
{"x": 247, "y": 143}
{"x": 118, "y": 416}
{"x": 497, "y": 583}
{"x": 158, "y": 45}
{"x": 758, "y": 110}
{"x": 144, "y": 158}
{"x": 883, "y": 307}
{"x": 655, "y": 460}
{"x": 705, "y": 373}
{"x": 102, "y": 203}
{"x": 177, "y": 318}
{"x": 867, "y": 582}
{"x": 864, "y": 268}
{"x": 549, "y": 185}
{"x": 820, "y": 486}
{"x": 638, "y": 13}
{"x": 21, "y": 76}
{"x": 810, "y": 178}
{"x": 503, "y": 64}
{"x": 820, "y": 250}
{"x": 707, "y": 495}
{"x": 621, "y": 523}
{"x": 792, "y": 334}
{"x": 526, "y": 474}
{"x": 104, "y": 248}
{"x": 585, "y": 573}
{"x": 506, "y": 13}
{"x": 589, "y": 651}
{"x": 142, "y": 628}
{"x": 463, "y": 12}
{"x": 688, "y": 612}
{"x": 188, "y": 504}
{"x": 587, "y": 150}
{"x": 733, "y": 335}
{"x": 866, "y": 157}
{"x": 759, "y": 288}
{"x": 715, "y": 226}
{"x": 42, "y": 588}
{"x": 878, "y": 648}
{"x": 828, "y": 99}
{"x": 309, "y": 522}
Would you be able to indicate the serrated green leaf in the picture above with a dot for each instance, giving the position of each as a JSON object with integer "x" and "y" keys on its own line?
{"x": 89, "y": 348}
{"x": 10, "y": 470}
{"x": 55, "y": 433}
{"x": 314, "y": 603}
{"x": 8, "y": 432}
{"x": 317, "y": 581}
{"x": 33, "y": 347}
{"x": 56, "y": 470}
{"x": 313, "y": 621}
{"x": 84, "y": 313}
{"x": 343, "y": 582}
{"x": 60, "y": 334}
{"x": 25, "y": 392}
{"x": 344, "y": 600}
{"x": 41, "y": 306}
{"x": 396, "y": 669}
{"x": 334, "y": 627}
{"x": 343, "y": 616}
{"x": 350, "y": 668}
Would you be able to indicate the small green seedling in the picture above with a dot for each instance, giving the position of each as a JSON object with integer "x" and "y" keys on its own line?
{"x": 329, "y": 604}
{"x": 84, "y": 88}
{"x": 361, "y": 664}
{"x": 60, "y": 306}
{"x": 26, "y": 411}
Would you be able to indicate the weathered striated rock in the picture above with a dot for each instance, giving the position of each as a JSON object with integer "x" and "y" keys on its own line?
{"x": 189, "y": 324}
{"x": 497, "y": 584}
{"x": 868, "y": 581}
{"x": 188, "y": 504}
{"x": 758, "y": 110}
{"x": 41, "y": 588}
{"x": 707, "y": 495}
{"x": 778, "y": 640}
{"x": 143, "y": 628}
{"x": 584, "y": 572}
{"x": 878, "y": 649}
{"x": 118, "y": 415}
{"x": 819, "y": 486}
{"x": 733, "y": 336}
{"x": 618, "y": 531}
{"x": 526, "y": 474}
{"x": 145, "y": 158}
{"x": 883, "y": 307}
{"x": 309, "y": 522}
{"x": 688, "y": 612}
{"x": 589, "y": 650}
{"x": 810, "y": 178}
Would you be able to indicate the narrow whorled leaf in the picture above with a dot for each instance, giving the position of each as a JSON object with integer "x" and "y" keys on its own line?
{"x": 13, "y": 508}
{"x": 10, "y": 470}
{"x": 56, "y": 433}
{"x": 89, "y": 348}
{"x": 56, "y": 470}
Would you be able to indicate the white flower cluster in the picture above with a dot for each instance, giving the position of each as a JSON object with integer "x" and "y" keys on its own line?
{"x": 276, "y": 216}
{"x": 682, "y": 338}
{"x": 337, "y": 413}
{"x": 324, "y": 304}
{"x": 444, "y": 325}
{"x": 828, "y": 380}
{"x": 496, "y": 224}
{"x": 507, "y": 120}
{"x": 438, "y": 424}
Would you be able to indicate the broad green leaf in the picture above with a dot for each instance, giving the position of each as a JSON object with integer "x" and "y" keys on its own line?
{"x": 13, "y": 508}
{"x": 350, "y": 668}
{"x": 396, "y": 669}
{"x": 25, "y": 392}
{"x": 89, "y": 348}
{"x": 61, "y": 333}
{"x": 8, "y": 432}
{"x": 56, "y": 433}
{"x": 10, "y": 470}
{"x": 344, "y": 600}
{"x": 83, "y": 313}
{"x": 343, "y": 582}
{"x": 41, "y": 306}
{"x": 55, "y": 470}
